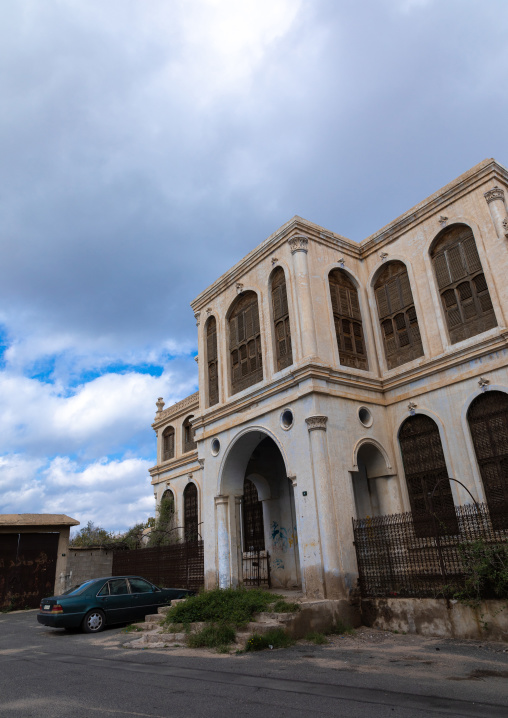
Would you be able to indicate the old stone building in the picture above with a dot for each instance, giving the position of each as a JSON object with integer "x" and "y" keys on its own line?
{"x": 341, "y": 379}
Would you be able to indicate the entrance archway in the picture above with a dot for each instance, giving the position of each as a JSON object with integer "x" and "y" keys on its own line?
{"x": 255, "y": 461}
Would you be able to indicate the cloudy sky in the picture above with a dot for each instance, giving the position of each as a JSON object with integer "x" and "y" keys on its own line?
{"x": 147, "y": 145}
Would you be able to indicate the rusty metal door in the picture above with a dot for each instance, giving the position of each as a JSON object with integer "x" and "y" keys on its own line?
{"x": 27, "y": 568}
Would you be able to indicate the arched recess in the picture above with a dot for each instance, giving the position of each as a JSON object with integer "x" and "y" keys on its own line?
{"x": 246, "y": 360}
{"x": 281, "y": 323}
{"x": 168, "y": 443}
{"x": 397, "y": 315}
{"x": 166, "y": 519}
{"x": 212, "y": 360}
{"x": 426, "y": 474}
{"x": 191, "y": 512}
{"x": 375, "y": 487}
{"x": 189, "y": 443}
{"x": 347, "y": 320}
{"x": 463, "y": 289}
{"x": 487, "y": 417}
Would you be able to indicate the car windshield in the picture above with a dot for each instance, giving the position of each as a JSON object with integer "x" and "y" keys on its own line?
{"x": 76, "y": 590}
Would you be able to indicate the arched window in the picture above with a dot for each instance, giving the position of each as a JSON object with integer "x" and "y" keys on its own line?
{"x": 168, "y": 443}
{"x": 212, "y": 361}
{"x": 397, "y": 315}
{"x": 164, "y": 533}
{"x": 188, "y": 435}
{"x": 462, "y": 285}
{"x": 488, "y": 422}
{"x": 190, "y": 511}
{"x": 281, "y": 320}
{"x": 245, "y": 343}
{"x": 425, "y": 466}
{"x": 348, "y": 320}
{"x": 253, "y": 527}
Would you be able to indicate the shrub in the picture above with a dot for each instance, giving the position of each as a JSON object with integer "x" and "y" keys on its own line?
{"x": 485, "y": 569}
{"x": 235, "y": 606}
{"x": 212, "y": 636}
{"x": 276, "y": 638}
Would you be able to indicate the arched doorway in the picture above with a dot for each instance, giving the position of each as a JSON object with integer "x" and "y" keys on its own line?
{"x": 374, "y": 486}
{"x": 256, "y": 509}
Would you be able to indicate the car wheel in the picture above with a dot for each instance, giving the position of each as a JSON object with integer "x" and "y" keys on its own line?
{"x": 94, "y": 621}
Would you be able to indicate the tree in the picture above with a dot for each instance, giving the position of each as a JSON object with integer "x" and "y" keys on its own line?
{"x": 164, "y": 534}
{"x": 91, "y": 535}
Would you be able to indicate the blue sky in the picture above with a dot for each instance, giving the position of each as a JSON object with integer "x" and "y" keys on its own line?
{"x": 147, "y": 146}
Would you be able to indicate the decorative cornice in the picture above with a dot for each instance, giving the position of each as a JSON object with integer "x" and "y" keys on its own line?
{"x": 299, "y": 243}
{"x": 316, "y": 422}
{"x": 174, "y": 410}
{"x": 495, "y": 193}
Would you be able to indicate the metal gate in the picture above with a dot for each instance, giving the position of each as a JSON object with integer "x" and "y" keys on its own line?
{"x": 256, "y": 568}
{"x": 27, "y": 568}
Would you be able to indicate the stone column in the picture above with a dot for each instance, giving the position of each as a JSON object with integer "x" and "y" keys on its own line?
{"x": 299, "y": 247}
{"x": 497, "y": 207}
{"x": 235, "y": 541}
{"x": 222, "y": 519}
{"x": 325, "y": 505}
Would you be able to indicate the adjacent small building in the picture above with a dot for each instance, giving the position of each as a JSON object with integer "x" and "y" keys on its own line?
{"x": 33, "y": 557}
{"x": 341, "y": 379}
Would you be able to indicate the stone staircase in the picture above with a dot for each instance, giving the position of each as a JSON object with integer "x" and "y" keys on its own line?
{"x": 313, "y": 615}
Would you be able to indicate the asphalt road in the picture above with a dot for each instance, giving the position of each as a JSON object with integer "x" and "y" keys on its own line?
{"x": 47, "y": 673}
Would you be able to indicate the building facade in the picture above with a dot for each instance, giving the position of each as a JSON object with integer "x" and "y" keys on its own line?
{"x": 341, "y": 379}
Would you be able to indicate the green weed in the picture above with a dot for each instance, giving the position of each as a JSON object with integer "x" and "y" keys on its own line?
{"x": 276, "y": 638}
{"x": 234, "y": 606}
{"x": 318, "y": 638}
{"x": 212, "y": 636}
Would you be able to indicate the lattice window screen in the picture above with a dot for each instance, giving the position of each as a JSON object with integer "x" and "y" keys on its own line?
{"x": 348, "y": 321}
{"x": 281, "y": 324}
{"x": 424, "y": 465}
{"x": 253, "y": 527}
{"x": 212, "y": 362}
{"x": 168, "y": 443}
{"x": 245, "y": 343}
{"x": 488, "y": 422}
{"x": 189, "y": 443}
{"x": 464, "y": 293}
{"x": 190, "y": 512}
{"x": 397, "y": 315}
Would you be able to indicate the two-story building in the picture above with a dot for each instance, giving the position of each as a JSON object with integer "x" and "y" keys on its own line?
{"x": 341, "y": 379}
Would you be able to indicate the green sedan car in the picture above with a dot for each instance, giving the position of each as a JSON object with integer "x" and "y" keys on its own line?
{"x": 104, "y": 601}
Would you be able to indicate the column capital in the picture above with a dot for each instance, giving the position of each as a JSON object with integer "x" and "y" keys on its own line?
{"x": 316, "y": 422}
{"x": 221, "y": 500}
{"x": 293, "y": 480}
{"x": 495, "y": 193}
{"x": 298, "y": 243}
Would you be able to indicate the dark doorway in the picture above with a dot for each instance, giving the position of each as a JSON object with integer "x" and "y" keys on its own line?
{"x": 253, "y": 526}
{"x": 27, "y": 568}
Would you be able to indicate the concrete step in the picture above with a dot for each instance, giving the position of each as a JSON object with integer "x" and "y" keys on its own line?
{"x": 270, "y": 617}
{"x": 162, "y": 610}
{"x": 155, "y": 618}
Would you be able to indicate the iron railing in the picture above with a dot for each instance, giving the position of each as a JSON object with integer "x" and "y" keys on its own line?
{"x": 416, "y": 556}
{"x": 180, "y": 565}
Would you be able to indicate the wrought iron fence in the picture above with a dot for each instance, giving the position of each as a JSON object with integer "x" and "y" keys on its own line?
{"x": 179, "y": 565}
{"x": 256, "y": 568}
{"x": 405, "y": 555}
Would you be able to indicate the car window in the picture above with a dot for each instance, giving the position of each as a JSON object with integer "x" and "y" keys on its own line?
{"x": 104, "y": 590}
{"x": 76, "y": 590}
{"x": 118, "y": 586}
{"x": 140, "y": 586}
